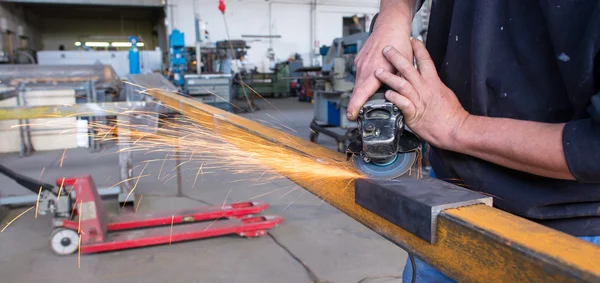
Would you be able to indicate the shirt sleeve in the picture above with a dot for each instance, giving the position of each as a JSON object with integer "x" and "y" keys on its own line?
{"x": 581, "y": 143}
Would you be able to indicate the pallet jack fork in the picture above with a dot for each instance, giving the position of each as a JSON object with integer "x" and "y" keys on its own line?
{"x": 95, "y": 232}
{"x": 99, "y": 233}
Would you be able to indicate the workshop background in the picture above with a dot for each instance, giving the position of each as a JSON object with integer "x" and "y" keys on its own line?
{"x": 81, "y": 200}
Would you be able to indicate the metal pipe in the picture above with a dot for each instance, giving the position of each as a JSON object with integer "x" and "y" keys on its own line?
{"x": 474, "y": 243}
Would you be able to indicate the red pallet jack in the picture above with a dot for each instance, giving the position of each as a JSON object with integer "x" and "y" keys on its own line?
{"x": 83, "y": 222}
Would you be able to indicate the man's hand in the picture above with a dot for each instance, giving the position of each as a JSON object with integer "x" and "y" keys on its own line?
{"x": 434, "y": 113}
{"x": 430, "y": 108}
{"x": 391, "y": 28}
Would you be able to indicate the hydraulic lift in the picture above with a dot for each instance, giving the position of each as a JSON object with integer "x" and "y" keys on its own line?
{"x": 82, "y": 223}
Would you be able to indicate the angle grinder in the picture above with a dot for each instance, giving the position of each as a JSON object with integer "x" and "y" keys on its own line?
{"x": 384, "y": 148}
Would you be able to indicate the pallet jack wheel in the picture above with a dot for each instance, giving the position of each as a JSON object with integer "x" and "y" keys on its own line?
{"x": 314, "y": 136}
{"x": 64, "y": 241}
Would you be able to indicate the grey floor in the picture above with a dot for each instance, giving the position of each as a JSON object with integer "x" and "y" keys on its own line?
{"x": 315, "y": 240}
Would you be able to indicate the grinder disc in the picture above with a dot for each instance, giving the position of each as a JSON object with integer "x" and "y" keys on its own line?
{"x": 391, "y": 170}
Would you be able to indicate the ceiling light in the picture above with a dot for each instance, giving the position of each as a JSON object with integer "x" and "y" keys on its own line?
{"x": 97, "y": 44}
{"x": 77, "y": 43}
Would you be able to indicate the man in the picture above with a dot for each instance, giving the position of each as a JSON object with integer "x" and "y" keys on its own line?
{"x": 509, "y": 98}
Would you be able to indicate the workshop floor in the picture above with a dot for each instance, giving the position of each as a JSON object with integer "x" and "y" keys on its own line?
{"x": 315, "y": 240}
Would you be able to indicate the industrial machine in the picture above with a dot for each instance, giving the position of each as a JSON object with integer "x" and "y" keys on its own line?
{"x": 81, "y": 221}
{"x": 276, "y": 84}
{"x": 212, "y": 89}
{"x": 331, "y": 101}
{"x": 177, "y": 57}
{"x": 134, "y": 56}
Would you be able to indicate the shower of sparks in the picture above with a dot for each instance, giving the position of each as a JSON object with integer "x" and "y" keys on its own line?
{"x": 138, "y": 204}
{"x": 37, "y": 202}
{"x": 171, "y": 233}
{"x": 60, "y": 189}
{"x": 13, "y": 220}
{"x": 62, "y": 158}
{"x": 210, "y": 150}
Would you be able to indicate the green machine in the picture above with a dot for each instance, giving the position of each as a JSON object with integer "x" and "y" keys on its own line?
{"x": 276, "y": 84}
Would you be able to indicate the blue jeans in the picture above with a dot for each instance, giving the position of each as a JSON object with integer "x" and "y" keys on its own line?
{"x": 426, "y": 273}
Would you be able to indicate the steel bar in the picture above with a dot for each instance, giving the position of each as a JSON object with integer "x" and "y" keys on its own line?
{"x": 74, "y": 110}
{"x": 474, "y": 244}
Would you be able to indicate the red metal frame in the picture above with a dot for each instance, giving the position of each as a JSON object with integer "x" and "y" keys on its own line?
{"x": 94, "y": 224}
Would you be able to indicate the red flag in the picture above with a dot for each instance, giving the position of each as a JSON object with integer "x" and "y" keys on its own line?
{"x": 222, "y": 6}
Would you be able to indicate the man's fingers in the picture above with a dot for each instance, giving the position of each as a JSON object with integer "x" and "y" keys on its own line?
{"x": 424, "y": 62}
{"x": 404, "y": 66}
{"x": 397, "y": 83}
{"x": 408, "y": 108}
{"x": 362, "y": 91}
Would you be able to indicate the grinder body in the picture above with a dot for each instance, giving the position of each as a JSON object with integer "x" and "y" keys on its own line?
{"x": 384, "y": 149}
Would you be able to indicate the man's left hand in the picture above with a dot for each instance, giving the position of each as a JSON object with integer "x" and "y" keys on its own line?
{"x": 430, "y": 109}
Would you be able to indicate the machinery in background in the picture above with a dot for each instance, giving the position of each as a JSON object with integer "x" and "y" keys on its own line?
{"x": 134, "y": 56}
{"x": 212, "y": 89}
{"x": 331, "y": 101}
{"x": 177, "y": 57}
{"x": 276, "y": 84}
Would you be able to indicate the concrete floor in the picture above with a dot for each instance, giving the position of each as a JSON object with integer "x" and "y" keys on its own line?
{"x": 315, "y": 240}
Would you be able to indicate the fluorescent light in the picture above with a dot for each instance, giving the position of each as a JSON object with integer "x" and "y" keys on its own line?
{"x": 120, "y": 44}
{"x": 125, "y": 44}
{"x": 77, "y": 43}
{"x": 97, "y": 44}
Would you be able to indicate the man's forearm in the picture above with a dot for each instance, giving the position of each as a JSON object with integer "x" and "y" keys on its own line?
{"x": 399, "y": 12}
{"x": 526, "y": 146}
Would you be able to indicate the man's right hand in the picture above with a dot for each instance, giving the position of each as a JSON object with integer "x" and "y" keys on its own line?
{"x": 392, "y": 27}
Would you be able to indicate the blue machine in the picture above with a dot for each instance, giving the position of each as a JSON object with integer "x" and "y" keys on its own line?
{"x": 134, "y": 56}
{"x": 177, "y": 56}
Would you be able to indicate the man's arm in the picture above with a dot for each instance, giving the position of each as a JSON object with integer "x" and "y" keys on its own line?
{"x": 391, "y": 28}
{"x": 433, "y": 112}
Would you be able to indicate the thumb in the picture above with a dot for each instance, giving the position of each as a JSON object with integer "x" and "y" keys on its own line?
{"x": 406, "y": 106}
{"x": 362, "y": 91}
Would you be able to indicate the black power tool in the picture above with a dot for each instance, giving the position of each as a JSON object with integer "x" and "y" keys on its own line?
{"x": 384, "y": 148}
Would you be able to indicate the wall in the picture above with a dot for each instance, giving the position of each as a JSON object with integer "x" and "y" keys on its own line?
{"x": 67, "y": 31}
{"x": 289, "y": 18}
{"x": 155, "y": 3}
{"x": 21, "y": 22}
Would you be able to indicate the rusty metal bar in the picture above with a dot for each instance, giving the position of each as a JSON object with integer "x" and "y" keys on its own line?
{"x": 474, "y": 244}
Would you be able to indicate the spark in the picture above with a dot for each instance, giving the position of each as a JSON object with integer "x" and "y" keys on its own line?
{"x": 289, "y": 192}
{"x": 42, "y": 173}
{"x": 37, "y": 202}
{"x": 138, "y": 204}
{"x": 163, "y": 165}
{"x": 225, "y": 200}
{"x": 171, "y": 233}
{"x": 289, "y": 205}
{"x": 60, "y": 189}
{"x": 135, "y": 186}
{"x": 128, "y": 179}
{"x": 21, "y": 214}
{"x": 199, "y": 171}
{"x": 211, "y": 223}
{"x": 264, "y": 194}
{"x": 79, "y": 217}
{"x": 62, "y": 158}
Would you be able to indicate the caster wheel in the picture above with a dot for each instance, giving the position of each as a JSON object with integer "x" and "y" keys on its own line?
{"x": 313, "y": 137}
{"x": 341, "y": 147}
{"x": 64, "y": 241}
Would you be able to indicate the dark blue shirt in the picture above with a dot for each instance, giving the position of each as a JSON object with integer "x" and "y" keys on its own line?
{"x": 527, "y": 60}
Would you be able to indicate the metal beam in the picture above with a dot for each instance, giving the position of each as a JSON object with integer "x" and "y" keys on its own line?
{"x": 475, "y": 243}
{"x": 76, "y": 110}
